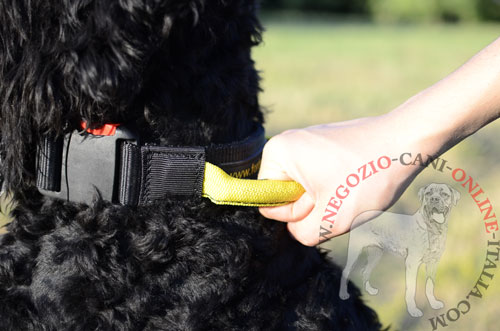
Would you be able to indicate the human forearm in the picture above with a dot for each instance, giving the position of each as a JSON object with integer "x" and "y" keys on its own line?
{"x": 321, "y": 158}
{"x": 455, "y": 107}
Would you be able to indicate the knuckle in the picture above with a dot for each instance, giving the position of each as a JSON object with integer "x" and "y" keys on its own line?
{"x": 308, "y": 242}
{"x": 265, "y": 212}
{"x": 289, "y": 132}
{"x": 272, "y": 144}
{"x": 280, "y": 143}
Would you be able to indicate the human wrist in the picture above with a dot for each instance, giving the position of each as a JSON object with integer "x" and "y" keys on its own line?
{"x": 453, "y": 108}
{"x": 424, "y": 126}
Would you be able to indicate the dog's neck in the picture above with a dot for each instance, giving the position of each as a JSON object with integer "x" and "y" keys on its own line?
{"x": 204, "y": 90}
{"x": 181, "y": 71}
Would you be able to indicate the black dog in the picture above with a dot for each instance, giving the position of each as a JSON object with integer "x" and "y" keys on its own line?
{"x": 181, "y": 71}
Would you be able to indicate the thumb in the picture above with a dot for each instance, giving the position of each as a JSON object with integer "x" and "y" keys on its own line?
{"x": 291, "y": 212}
{"x": 312, "y": 230}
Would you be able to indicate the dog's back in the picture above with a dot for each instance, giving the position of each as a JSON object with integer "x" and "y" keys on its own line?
{"x": 182, "y": 72}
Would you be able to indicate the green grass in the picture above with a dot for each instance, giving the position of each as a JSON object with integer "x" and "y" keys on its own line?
{"x": 4, "y": 210}
{"x": 320, "y": 71}
{"x": 325, "y": 72}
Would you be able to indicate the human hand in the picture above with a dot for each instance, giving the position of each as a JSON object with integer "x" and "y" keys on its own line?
{"x": 325, "y": 158}
{"x": 346, "y": 169}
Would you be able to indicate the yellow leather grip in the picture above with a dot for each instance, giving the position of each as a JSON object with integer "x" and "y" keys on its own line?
{"x": 223, "y": 189}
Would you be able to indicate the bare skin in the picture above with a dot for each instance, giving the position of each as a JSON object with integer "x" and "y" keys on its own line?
{"x": 431, "y": 122}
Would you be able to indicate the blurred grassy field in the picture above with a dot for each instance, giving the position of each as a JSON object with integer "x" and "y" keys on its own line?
{"x": 4, "y": 207}
{"x": 317, "y": 71}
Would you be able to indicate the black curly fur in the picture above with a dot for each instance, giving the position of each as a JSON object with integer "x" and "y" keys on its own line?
{"x": 182, "y": 71}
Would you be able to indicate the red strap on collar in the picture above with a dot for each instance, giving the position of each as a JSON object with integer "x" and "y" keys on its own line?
{"x": 105, "y": 130}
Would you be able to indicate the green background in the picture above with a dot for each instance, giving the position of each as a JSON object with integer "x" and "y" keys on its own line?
{"x": 396, "y": 10}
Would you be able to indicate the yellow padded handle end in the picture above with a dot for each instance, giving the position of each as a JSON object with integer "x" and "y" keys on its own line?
{"x": 223, "y": 189}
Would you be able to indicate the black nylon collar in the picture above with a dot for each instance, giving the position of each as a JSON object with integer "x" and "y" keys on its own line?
{"x": 123, "y": 171}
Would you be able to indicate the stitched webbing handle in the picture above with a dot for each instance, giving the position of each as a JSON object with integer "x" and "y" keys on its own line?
{"x": 223, "y": 189}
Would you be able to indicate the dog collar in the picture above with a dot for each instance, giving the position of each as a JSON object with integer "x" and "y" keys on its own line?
{"x": 112, "y": 161}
